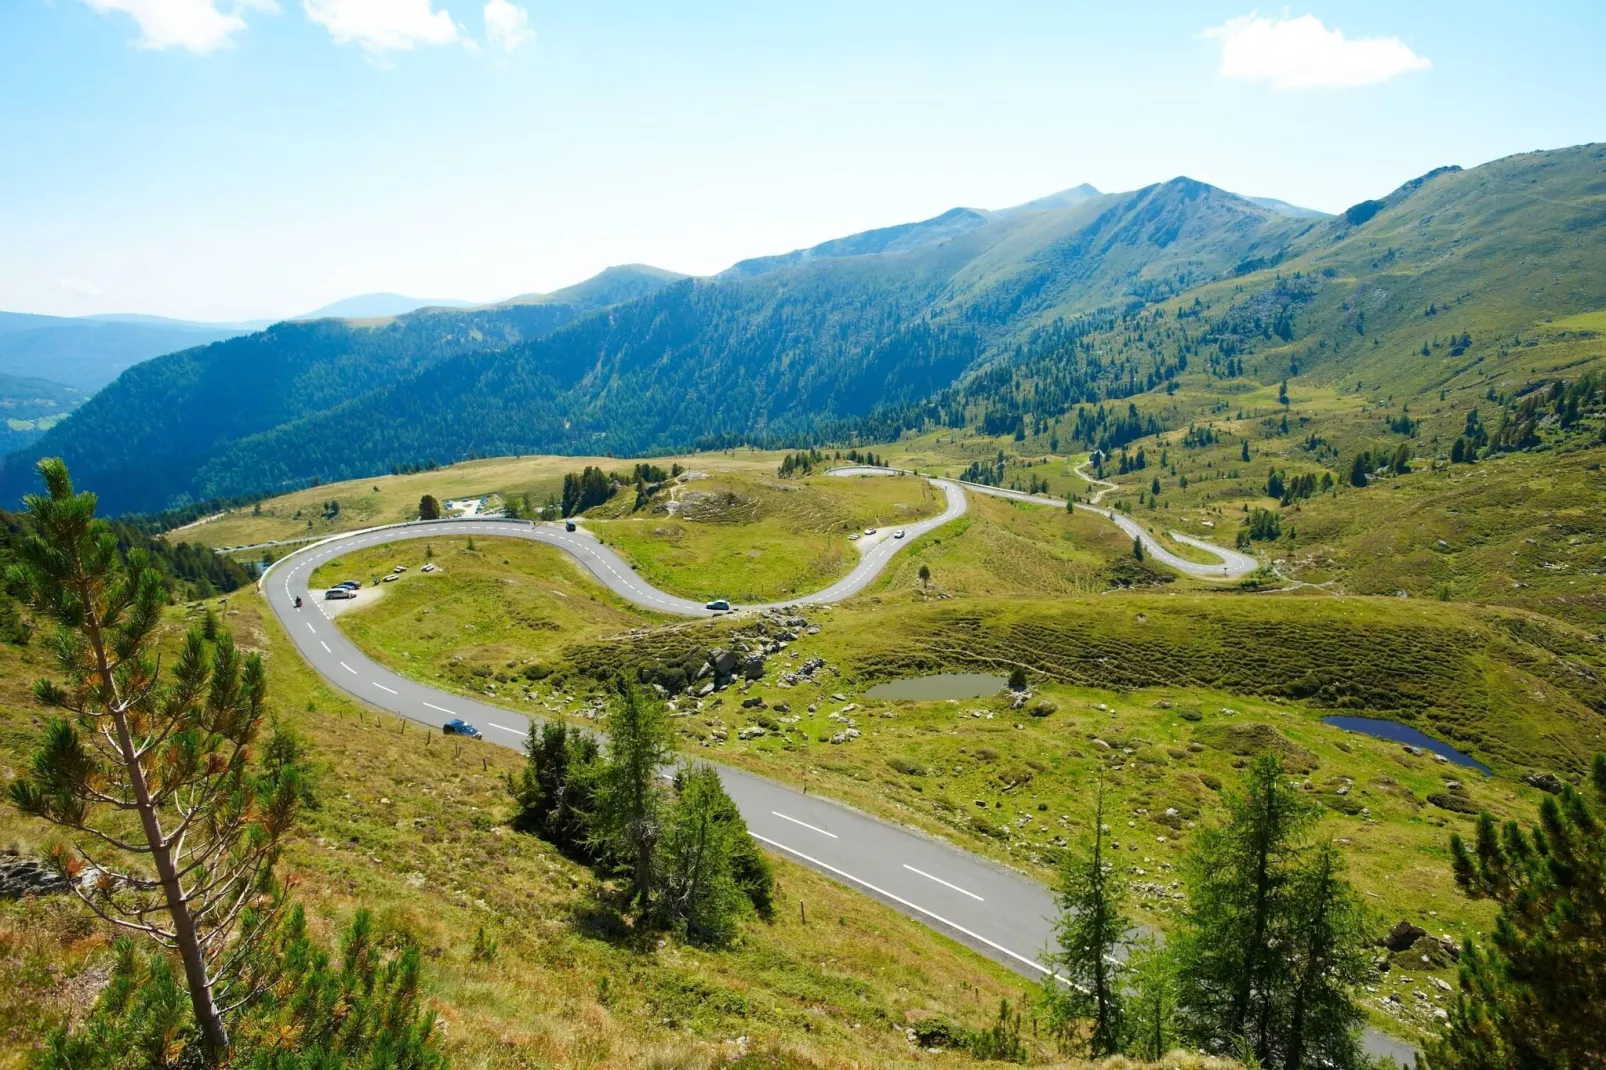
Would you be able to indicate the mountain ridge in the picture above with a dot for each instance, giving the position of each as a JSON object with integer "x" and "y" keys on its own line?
{"x": 966, "y": 318}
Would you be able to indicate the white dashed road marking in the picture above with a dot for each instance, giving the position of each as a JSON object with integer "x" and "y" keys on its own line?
{"x": 944, "y": 883}
{"x": 348, "y": 668}
{"x": 805, "y": 824}
{"x": 382, "y": 687}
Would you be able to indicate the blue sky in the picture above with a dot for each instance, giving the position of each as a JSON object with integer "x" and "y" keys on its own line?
{"x": 220, "y": 159}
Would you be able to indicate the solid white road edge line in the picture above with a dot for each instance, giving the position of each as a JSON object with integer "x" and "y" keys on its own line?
{"x": 903, "y": 902}
{"x": 944, "y": 883}
{"x": 805, "y": 824}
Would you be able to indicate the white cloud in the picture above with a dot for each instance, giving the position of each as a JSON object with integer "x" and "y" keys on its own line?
{"x": 197, "y": 25}
{"x": 1303, "y": 54}
{"x": 79, "y": 287}
{"x": 383, "y": 25}
{"x": 507, "y": 25}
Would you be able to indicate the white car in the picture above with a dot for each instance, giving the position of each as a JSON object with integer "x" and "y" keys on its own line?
{"x": 898, "y": 534}
{"x": 869, "y": 531}
{"x": 428, "y": 568}
{"x": 853, "y": 537}
{"x": 392, "y": 578}
{"x": 399, "y": 569}
{"x": 335, "y": 593}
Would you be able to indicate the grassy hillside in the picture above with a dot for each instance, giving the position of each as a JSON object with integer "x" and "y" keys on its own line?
{"x": 416, "y": 834}
{"x": 1168, "y": 694}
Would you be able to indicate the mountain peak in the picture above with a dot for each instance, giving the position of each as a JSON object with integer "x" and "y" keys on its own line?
{"x": 1065, "y": 198}
{"x": 378, "y": 306}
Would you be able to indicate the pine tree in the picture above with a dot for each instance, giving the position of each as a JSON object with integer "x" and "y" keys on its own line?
{"x": 429, "y": 508}
{"x": 629, "y": 803}
{"x": 1531, "y": 997}
{"x": 148, "y": 768}
{"x": 1243, "y": 454}
{"x": 1082, "y": 984}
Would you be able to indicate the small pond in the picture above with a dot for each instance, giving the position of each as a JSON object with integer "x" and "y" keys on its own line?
{"x": 1399, "y": 733}
{"x": 940, "y": 685}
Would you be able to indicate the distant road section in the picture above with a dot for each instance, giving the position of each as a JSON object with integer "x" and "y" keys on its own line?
{"x": 1233, "y": 565}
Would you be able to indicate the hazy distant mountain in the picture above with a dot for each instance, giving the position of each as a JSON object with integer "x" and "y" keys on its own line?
{"x": 379, "y": 306}
{"x": 87, "y": 352}
{"x": 1292, "y": 211}
{"x": 31, "y": 406}
{"x": 899, "y": 239}
{"x": 623, "y": 282}
{"x": 1065, "y": 198}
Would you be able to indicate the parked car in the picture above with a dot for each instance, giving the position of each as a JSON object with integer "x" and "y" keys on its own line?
{"x": 351, "y": 585}
{"x": 898, "y": 534}
{"x": 459, "y": 727}
{"x": 430, "y": 567}
{"x": 334, "y": 593}
{"x": 392, "y": 578}
{"x": 854, "y": 537}
{"x": 568, "y": 525}
{"x": 399, "y": 569}
{"x": 869, "y": 531}
{"x": 719, "y": 605}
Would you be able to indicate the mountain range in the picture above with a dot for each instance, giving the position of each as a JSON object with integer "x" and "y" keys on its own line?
{"x": 972, "y": 317}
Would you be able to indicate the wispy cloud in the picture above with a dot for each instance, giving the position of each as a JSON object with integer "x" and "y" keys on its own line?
{"x": 197, "y": 25}
{"x": 80, "y": 287}
{"x": 383, "y": 25}
{"x": 1301, "y": 53}
{"x": 507, "y": 25}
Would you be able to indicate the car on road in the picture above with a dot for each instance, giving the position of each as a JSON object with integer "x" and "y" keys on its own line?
{"x": 459, "y": 727}
{"x": 392, "y": 578}
{"x": 898, "y": 534}
{"x": 568, "y": 525}
{"x": 853, "y": 537}
{"x": 334, "y": 593}
{"x": 399, "y": 569}
{"x": 430, "y": 567}
{"x": 869, "y": 531}
{"x": 719, "y": 605}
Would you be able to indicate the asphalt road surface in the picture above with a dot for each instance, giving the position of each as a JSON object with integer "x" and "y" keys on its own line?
{"x": 998, "y": 912}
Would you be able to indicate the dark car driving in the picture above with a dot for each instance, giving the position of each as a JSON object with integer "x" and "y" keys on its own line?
{"x": 459, "y": 727}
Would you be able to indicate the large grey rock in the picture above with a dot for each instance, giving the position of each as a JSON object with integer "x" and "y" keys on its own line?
{"x": 753, "y": 666}
{"x": 1403, "y": 935}
{"x": 724, "y": 661}
{"x": 24, "y": 876}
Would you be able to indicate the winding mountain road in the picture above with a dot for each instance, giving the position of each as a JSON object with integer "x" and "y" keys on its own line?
{"x": 996, "y": 911}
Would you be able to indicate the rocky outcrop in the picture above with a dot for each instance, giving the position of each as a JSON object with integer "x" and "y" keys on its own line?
{"x": 21, "y": 877}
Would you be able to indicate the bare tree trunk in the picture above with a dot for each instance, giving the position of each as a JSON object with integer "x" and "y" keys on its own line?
{"x": 214, "y": 1035}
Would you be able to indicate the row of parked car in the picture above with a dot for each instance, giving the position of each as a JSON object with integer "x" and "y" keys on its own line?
{"x": 349, "y": 588}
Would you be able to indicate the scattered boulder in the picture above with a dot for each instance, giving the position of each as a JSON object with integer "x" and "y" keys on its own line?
{"x": 1402, "y": 936}
{"x": 724, "y": 661}
{"x": 753, "y": 666}
{"x": 754, "y": 703}
{"x": 752, "y": 731}
{"x": 1546, "y": 782}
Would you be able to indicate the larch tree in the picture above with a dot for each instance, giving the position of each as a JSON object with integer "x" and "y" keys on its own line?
{"x": 629, "y": 802}
{"x": 174, "y": 840}
{"x": 1082, "y": 985}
